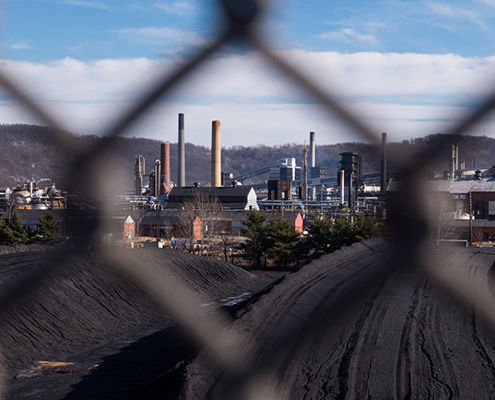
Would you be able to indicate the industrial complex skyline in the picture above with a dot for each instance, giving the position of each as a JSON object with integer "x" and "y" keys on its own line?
{"x": 408, "y": 68}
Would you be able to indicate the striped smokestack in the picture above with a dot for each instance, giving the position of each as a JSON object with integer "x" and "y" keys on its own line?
{"x": 165, "y": 168}
{"x": 216, "y": 155}
{"x": 181, "y": 170}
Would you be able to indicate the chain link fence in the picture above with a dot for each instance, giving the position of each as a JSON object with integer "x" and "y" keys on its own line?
{"x": 411, "y": 224}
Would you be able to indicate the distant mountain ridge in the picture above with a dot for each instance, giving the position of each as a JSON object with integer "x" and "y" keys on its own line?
{"x": 26, "y": 152}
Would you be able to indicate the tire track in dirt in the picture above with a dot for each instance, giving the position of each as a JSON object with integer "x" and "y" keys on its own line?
{"x": 404, "y": 337}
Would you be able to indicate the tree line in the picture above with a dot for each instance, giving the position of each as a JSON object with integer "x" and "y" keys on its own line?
{"x": 277, "y": 241}
{"x": 12, "y": 232}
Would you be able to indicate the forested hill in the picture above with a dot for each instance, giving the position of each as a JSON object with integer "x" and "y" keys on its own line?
{"x": 25, "y": 152}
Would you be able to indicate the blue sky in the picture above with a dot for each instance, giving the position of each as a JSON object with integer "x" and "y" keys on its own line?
{"x": 408, "y": 67}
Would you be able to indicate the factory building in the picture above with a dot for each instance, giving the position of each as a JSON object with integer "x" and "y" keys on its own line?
{"x": 32, "y": 196}
{"x": 169, "y": 225}
{"x": 230, "y": 198}
{"x": 279, "y": 190}
{"x": 454, "y": 201}
{"x": 289, "y": 170}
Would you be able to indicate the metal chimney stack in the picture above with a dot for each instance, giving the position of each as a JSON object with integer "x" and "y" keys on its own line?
{"x": 456, "y": 162}
{"x": 312, "y": 161}
{"x": 383, "y": 174}
{"x": 157, "y": 183}
{"x": 342, "y": 187}
{"x": 181, "y": 170}
{"x": 453, "y": 162}
{"x": 139, "y": 174}
{"x": 312, "y": 146}
{"x": 165, "y": 168}
{"x": 216, "y": 155}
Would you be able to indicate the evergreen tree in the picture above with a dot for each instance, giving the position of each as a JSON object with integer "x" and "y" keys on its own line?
{"x": 12, "y": 232}
{"x": 49, "y": 229}
{"x": 318, "y": 241}
{"x": 343, "y": 233}
{"x": 366, "y": 227}
{"x": 3, "y": 232}
{"x": 284, "y": 242}
{"x": 326, "y": 236}
{"x": 256, "y": 230}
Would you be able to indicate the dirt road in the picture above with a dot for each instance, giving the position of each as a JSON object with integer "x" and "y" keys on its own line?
{"x": 402, "y": 337}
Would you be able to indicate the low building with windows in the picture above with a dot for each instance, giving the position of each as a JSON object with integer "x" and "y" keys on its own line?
{"x": 230, "y": 198}
{"x": 454, "y": 201}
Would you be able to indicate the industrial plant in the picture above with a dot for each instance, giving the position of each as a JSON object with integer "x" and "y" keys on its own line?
{"x": 295, "y": 188}
{"x": 281, "y": 185}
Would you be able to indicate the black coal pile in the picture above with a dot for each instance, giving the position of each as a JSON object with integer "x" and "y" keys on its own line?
{"x": 357, "y": 324}
{"x": 70, "y": 325}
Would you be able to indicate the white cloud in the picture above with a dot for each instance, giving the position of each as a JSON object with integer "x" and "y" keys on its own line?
{"x": 161, "y": 35}
{"x": 408, "y": 94}
{"x": 89, "y": 4}
{"x": 452, "y": 11}
{"x": 19, "y": 46}
{"x": 490, "y": 3}
{"x": 177, "y": 8}
{"x": 349, "y": 35}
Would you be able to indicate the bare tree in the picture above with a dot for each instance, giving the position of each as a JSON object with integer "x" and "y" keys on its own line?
{"x": 208, "y": 209}
{"x": 187, "y": 216}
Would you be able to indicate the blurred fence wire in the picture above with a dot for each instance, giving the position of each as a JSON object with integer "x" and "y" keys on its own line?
{"x": 240, "y": 27}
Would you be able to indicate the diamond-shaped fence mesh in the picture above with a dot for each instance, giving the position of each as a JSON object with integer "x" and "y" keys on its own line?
{"x": 245, "y": 367}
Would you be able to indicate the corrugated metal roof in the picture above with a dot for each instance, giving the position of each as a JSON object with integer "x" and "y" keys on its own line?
{"x": 458, "y": 186}
{"x": 477, "y": 223}
{"x": 462, "y": 186}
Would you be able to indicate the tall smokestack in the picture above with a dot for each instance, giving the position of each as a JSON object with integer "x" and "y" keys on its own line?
{"x": 312, "y": 161}
{"x": 312, "y": 146}
{"x": 157, "y": 185}
{"x": 342, "y": 187}
{"x": 456, "y": 161}
{"x": 181, "y": 170}
{"x": 216, "y": 155}
{"x": 452, "y": 162}
{"x": 165, "y": 168}
{"x": 383, "y": 175}
{"x": 139, "y": 170}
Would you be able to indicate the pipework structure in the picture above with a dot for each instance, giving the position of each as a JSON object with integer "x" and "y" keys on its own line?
{"x": 454, "y": 161}
{"x": 181, "y": 168}
{"x": 304, "y": 186}
{"x": 216, "y": 155}
{"x": 139, "y": 170}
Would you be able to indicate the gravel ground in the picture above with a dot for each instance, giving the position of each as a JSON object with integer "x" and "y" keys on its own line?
{"x": 113, "y": 337}
{"x": 401, "y": 337}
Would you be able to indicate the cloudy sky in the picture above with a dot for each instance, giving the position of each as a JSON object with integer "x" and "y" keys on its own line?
{"x": 410, "y": 68}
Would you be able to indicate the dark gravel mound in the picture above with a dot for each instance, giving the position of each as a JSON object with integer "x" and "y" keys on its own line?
{"x": 89, "y": 311}
{"x": 401, "y": 336}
